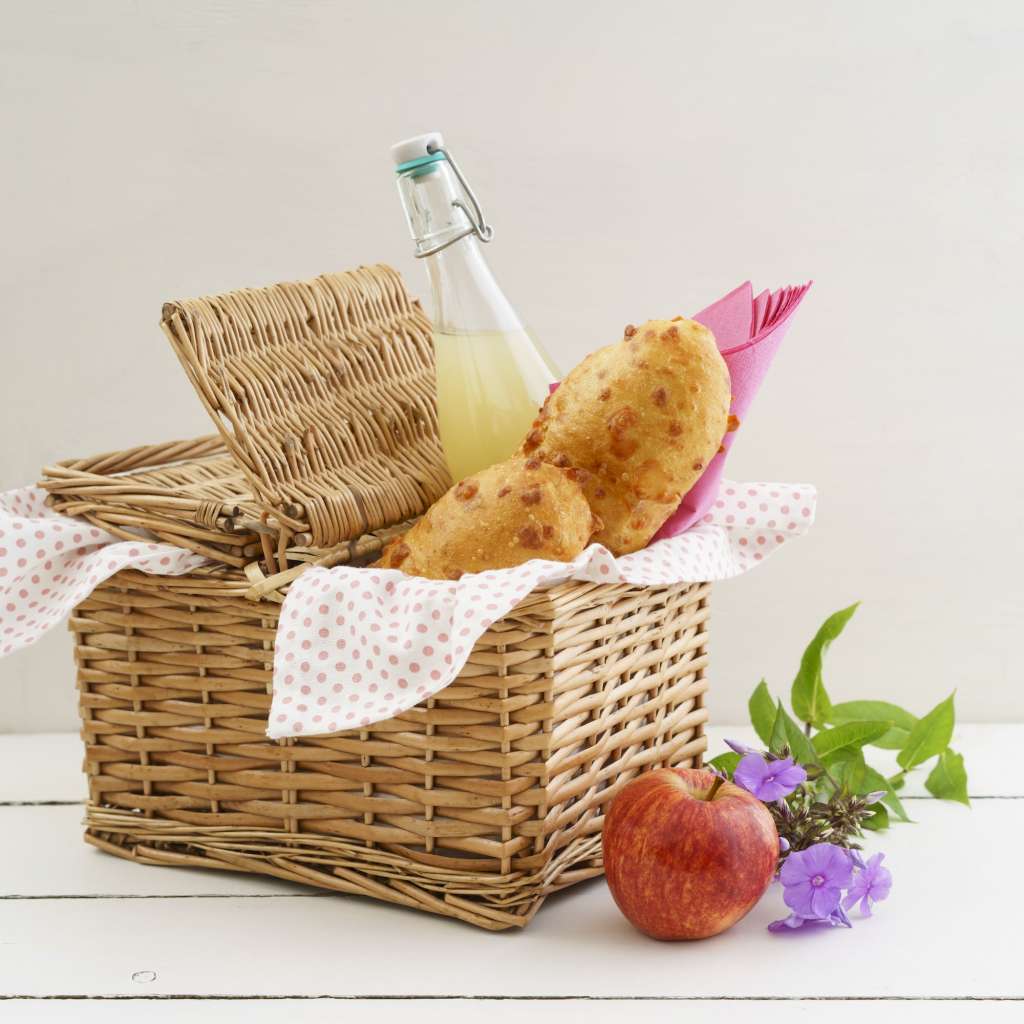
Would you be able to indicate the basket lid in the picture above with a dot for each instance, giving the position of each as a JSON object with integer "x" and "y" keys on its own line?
{"x": 324, "y": 392}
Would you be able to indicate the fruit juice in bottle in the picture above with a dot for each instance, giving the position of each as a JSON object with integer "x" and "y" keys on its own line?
{"x": 491, "y": 375}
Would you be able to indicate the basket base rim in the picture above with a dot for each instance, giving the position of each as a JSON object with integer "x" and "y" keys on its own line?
{"x": 496, "y": 902}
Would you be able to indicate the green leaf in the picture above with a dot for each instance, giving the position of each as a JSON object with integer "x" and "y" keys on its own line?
{"x": 725, "y": 762}
{"x": 879, "y": 820}
{"x": 779, "y": 738}
{"x": 762, "y": 712}
{"x": 930, "y": 736}
{"x": 853, "y": 734}
{"x": 948, "y": 779}
{"x": 860, "y": 779}
{"x": 809, "y": 699}
{"x": 877, "y": 711}
{"x": 851, "y": 772}
{"x": 872, "y": 711}
{"x": 786, "y": 733}
{"x": 895, "y": 739}
{"x": 893, "y": 802}
{"x": 875, "y": 781}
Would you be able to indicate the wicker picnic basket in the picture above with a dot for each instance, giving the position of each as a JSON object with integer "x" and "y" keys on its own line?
{"x": 475, "y": 804}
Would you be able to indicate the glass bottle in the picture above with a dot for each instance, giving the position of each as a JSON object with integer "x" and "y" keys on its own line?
{"x": 491, "y": 375}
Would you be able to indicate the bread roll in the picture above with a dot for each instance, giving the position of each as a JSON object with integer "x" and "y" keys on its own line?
{"x": 639, "y": 421}
{"x": 502, "y": 516}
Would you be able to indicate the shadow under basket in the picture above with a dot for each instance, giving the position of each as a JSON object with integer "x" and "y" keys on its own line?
{"x": 476, "y": 804}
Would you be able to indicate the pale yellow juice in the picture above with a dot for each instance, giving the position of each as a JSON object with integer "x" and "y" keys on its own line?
{"x": 489, "y": 388}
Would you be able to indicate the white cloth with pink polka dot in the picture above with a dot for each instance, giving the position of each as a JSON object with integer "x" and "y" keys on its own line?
{"x": 48, "y": 563}
{"x": 356, "y": 646}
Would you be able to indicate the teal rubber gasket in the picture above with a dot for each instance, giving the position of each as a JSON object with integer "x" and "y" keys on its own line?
{"x": 420, "y": 165}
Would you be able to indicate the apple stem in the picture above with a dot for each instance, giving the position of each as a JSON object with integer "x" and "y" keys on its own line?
{"x": 715, "y": 787}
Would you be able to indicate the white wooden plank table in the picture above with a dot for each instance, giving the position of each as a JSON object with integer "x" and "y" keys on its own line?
{"x": 85, "y": 936}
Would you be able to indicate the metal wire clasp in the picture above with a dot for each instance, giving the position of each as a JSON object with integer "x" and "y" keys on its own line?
{"x": 477, "y": 222}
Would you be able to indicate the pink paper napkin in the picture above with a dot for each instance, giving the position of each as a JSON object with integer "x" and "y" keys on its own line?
{"x": 749, "y": 331}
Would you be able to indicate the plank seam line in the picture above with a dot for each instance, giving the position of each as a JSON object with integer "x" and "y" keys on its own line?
{"x": 42, "y": 803}
{"x": 175, "y": 896}
{"x": 916, "y": 796}
{"x": 524, "y": 999}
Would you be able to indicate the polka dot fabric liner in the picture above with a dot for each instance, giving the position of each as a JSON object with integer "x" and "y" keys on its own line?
{"x": 48, "y": 563}
{"x": 356, "y": 646}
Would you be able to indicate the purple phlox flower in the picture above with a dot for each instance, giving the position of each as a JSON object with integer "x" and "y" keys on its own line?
{"x": 740, "y": 748}
{"x": 768, "y": 780}
{"x": 873, "y": 798}
{"x": 871, "y": 884}
{"x": 783, "y": 844}
{"x": 837, "y": 919}
{"x": 814, "y": 879}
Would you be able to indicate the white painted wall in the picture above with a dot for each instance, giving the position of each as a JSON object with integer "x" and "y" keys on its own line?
{"x": 638, "y": 160}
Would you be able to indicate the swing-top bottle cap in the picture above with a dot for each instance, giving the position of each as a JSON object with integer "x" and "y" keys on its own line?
{"x": 417, "y": 160}
{"x": 417, "y": 151}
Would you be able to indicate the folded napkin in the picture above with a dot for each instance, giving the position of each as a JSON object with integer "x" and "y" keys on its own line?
{"x": 748, "y": 331}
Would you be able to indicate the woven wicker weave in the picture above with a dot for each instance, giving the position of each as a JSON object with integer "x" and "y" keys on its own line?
{"x": 188, "y": 493}
{"x": 476, "y": 804}
{"x": 323, "y": 393}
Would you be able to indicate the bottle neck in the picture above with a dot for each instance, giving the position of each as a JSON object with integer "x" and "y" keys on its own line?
{"x": 466, "y": 297}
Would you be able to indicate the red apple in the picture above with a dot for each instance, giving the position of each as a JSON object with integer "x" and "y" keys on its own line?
{"x": 687, "y": 854}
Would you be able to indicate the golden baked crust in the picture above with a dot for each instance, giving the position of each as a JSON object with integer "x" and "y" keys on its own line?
{"x": 639, "y": 420}
{"x": 502, "y": 516}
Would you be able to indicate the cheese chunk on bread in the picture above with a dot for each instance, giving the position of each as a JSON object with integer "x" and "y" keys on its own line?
{"x": 638, "y": 421}
{"x": 503, "y": 516}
